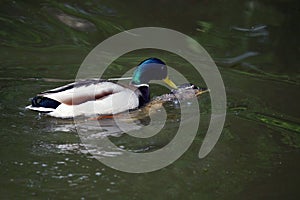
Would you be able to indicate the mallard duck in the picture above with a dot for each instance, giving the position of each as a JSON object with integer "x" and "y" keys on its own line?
{"x": 102, "y": 97}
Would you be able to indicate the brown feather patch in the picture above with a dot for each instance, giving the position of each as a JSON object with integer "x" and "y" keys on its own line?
{"x": 82, "y": 99}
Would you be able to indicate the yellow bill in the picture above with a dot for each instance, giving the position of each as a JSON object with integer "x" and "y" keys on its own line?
{"x": 202, "y": 91}
{"x": 170, "y": 83}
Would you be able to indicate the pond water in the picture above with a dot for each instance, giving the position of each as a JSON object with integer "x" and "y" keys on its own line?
{"x": 255, "y": 45}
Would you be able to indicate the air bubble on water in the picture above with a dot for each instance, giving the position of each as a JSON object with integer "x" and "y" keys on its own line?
{"x": 98, "y": 173}
{"x": 83, "y": 178}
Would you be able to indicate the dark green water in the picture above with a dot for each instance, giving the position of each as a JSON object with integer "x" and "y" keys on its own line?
{"x": 257, "y": 156}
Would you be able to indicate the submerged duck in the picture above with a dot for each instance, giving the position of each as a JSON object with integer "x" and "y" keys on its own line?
{"x": 102, "y": 97}
{"x": 182, "y": 92}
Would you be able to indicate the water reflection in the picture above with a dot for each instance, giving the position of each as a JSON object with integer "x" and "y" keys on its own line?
{"x": 77, "y": 23}
{"x": 254, "y": 31}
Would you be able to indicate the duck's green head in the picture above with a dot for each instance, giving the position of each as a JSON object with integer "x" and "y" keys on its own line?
{"x": 151, "y": 69}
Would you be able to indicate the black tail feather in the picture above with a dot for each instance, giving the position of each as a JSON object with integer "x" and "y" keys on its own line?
{"x": 45, "y": 102}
